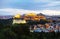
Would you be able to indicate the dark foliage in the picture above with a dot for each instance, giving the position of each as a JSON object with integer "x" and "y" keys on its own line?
{"x": 21, "y": 31}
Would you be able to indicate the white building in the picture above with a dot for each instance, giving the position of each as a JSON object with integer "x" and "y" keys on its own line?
{"x": 19, "y": 21}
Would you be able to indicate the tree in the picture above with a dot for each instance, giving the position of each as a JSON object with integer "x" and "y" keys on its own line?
{"x": 43, "y": 21}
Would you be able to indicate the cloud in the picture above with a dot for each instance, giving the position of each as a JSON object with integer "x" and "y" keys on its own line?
{"x": 22, "y": 11}
{"x": 51, "y": 4}
{"x": 51, "y": 12}
{"x": 16, "y": 11}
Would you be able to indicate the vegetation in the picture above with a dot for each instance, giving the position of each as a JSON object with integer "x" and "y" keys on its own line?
{"x": 21, "y": 31}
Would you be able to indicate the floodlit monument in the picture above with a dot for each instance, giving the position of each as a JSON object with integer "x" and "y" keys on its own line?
{"x": 17, "y": 19}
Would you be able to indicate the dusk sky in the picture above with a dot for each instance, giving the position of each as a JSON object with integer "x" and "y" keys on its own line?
{"x": 10, "y": 7}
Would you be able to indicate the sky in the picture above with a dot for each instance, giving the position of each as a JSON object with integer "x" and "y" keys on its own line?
{"x": 11, "y": 7}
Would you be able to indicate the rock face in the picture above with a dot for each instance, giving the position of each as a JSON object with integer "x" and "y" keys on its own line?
{"x": 17, "y": 16}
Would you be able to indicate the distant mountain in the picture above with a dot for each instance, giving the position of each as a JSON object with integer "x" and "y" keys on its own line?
{"x": 41, "y": 14}
{"x": 6, "y": 17}
{"x": 11, "y": 16}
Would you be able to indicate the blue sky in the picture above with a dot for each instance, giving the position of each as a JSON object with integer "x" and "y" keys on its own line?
{"x": 30, "y": 4}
